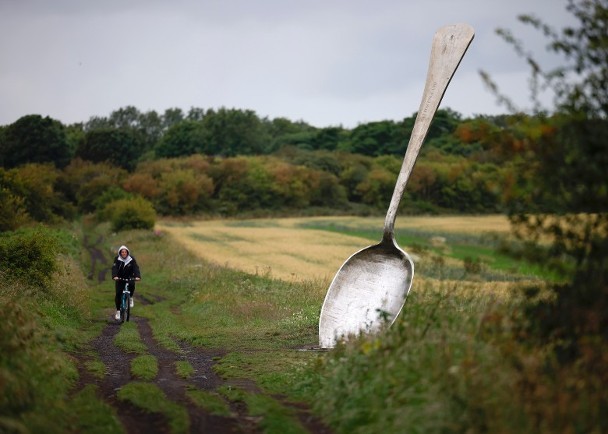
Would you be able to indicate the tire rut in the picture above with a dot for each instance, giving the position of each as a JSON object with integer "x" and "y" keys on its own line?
{"x": 175, "y": 387}
{"x": 118, "y": 374}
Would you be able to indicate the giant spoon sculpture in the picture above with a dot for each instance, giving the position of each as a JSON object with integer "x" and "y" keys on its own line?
{"x": 370, "y": 288}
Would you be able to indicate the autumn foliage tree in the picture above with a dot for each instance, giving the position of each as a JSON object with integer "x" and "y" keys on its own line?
{"x": 177, "y": 186}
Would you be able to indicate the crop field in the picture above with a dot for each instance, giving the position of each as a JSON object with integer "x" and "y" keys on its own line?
{"x": 305, "y": 249}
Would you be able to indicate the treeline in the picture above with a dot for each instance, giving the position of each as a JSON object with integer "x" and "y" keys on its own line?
{"x": 231, "y": 161}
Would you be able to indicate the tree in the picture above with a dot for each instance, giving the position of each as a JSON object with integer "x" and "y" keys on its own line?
{"x": 83, "y": 182}
{"x": 569, "y": 204}
{"x": 182, "y": 139}
{"x": 126, "y": 117}
{"x": 171, "y": 117}
{"x": 34, "y": 139}
{"x": 284, "y": 132}
{"x": 377, "y": 138}
{"x": 195, "y": 114}
{"x": 329, "y": 138}
{"x": 121, "y": 147}
{"x": 43, "y": 200}
{"x": 13, "y": 210}
{"x": 231, "y": 132}
{"x": 29, "y": 255}
{"x": 151, "y": 126}
{"x": 183, "y": 191}
{"x": 175, "y": 186}
{"x": 30, "y": 193}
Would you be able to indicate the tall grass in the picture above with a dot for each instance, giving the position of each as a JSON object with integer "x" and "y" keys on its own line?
{"x": 38, "y": 327}
{"x": 435, "y": 370}
{"x": 457, "y": 360}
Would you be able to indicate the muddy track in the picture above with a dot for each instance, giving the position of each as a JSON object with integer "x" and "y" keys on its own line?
{"x": 118, "y": 363}
{"x": 117, "y": 374}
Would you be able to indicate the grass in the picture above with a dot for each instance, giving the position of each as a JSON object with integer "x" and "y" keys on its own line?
{"x": 150, "y": 398}
{"x": 210, "y": 401}
{"x": 184, "y": 369}
{"x": 468, "y": 243}
{"x": 446, "y": 365}
{"x": 212, "y": 306}
{"x": 303, "y": 249}
{"x": 264, "y": 320}
{"x": 88, "y": 414}
{"x": 128, "y": 339}
{"x": 144, "y": 367}
{"x": 418, "y": 376}
{"x": 96, "y": 367}
{"x": 41, "y": 329}
{"x": 274, "y": 418}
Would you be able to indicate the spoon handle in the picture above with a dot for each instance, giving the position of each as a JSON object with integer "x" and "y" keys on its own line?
{"x": 450, "y": 43}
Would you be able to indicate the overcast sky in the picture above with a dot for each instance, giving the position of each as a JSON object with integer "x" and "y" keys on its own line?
{"x": 325, "y": 62}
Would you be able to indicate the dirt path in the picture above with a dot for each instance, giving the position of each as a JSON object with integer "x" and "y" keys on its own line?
{"x": 136, "y": 420}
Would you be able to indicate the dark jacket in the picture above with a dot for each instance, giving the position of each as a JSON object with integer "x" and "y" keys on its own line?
{"x": 125, "y": 268}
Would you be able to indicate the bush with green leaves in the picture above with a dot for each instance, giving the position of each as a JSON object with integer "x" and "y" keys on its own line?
{"x": 135, "y": 213}
{"x": 13, "y": 212}
{"x": 29, "y": 255}
{"x": 112, "y": 194}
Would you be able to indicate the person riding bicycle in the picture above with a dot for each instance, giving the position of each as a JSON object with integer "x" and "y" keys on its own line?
{"x": 124, "y": 267}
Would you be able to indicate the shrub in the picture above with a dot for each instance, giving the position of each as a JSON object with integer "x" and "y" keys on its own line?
{"x": 112, "y": 194}
{"x": 136, "y": 213}
{"x": 29, "y": 255}
{"x": 13, "y": 212}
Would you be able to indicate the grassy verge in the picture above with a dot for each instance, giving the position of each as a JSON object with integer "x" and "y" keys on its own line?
{"x": 41, "y": 327}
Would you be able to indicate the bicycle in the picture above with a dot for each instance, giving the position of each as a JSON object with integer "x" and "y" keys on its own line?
{"x": 125, "y": 301}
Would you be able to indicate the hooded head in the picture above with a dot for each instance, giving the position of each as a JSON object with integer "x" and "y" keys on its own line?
{"x": 127, "y": 257}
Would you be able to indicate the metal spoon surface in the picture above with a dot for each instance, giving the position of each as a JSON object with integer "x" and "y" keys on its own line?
{"x": 370, "y": 288}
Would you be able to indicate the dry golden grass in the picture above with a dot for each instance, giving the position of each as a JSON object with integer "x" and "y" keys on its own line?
{"x": 460, "y": 224}
{"x": 273, "y": 247}
{"x": 281, "y": 249}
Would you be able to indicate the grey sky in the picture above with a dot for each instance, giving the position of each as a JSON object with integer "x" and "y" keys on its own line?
{"x": 321, "y": 61}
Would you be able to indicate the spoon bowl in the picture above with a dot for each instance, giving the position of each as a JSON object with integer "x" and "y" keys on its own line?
{"x": 371, "y": 287}
{"x": 368, "y": 292}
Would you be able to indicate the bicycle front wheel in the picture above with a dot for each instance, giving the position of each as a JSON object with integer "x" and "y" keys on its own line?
{"x": 128, "y": 308}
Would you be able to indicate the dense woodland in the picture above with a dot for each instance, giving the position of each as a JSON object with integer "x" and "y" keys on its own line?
{"x": 230, "y": 161}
